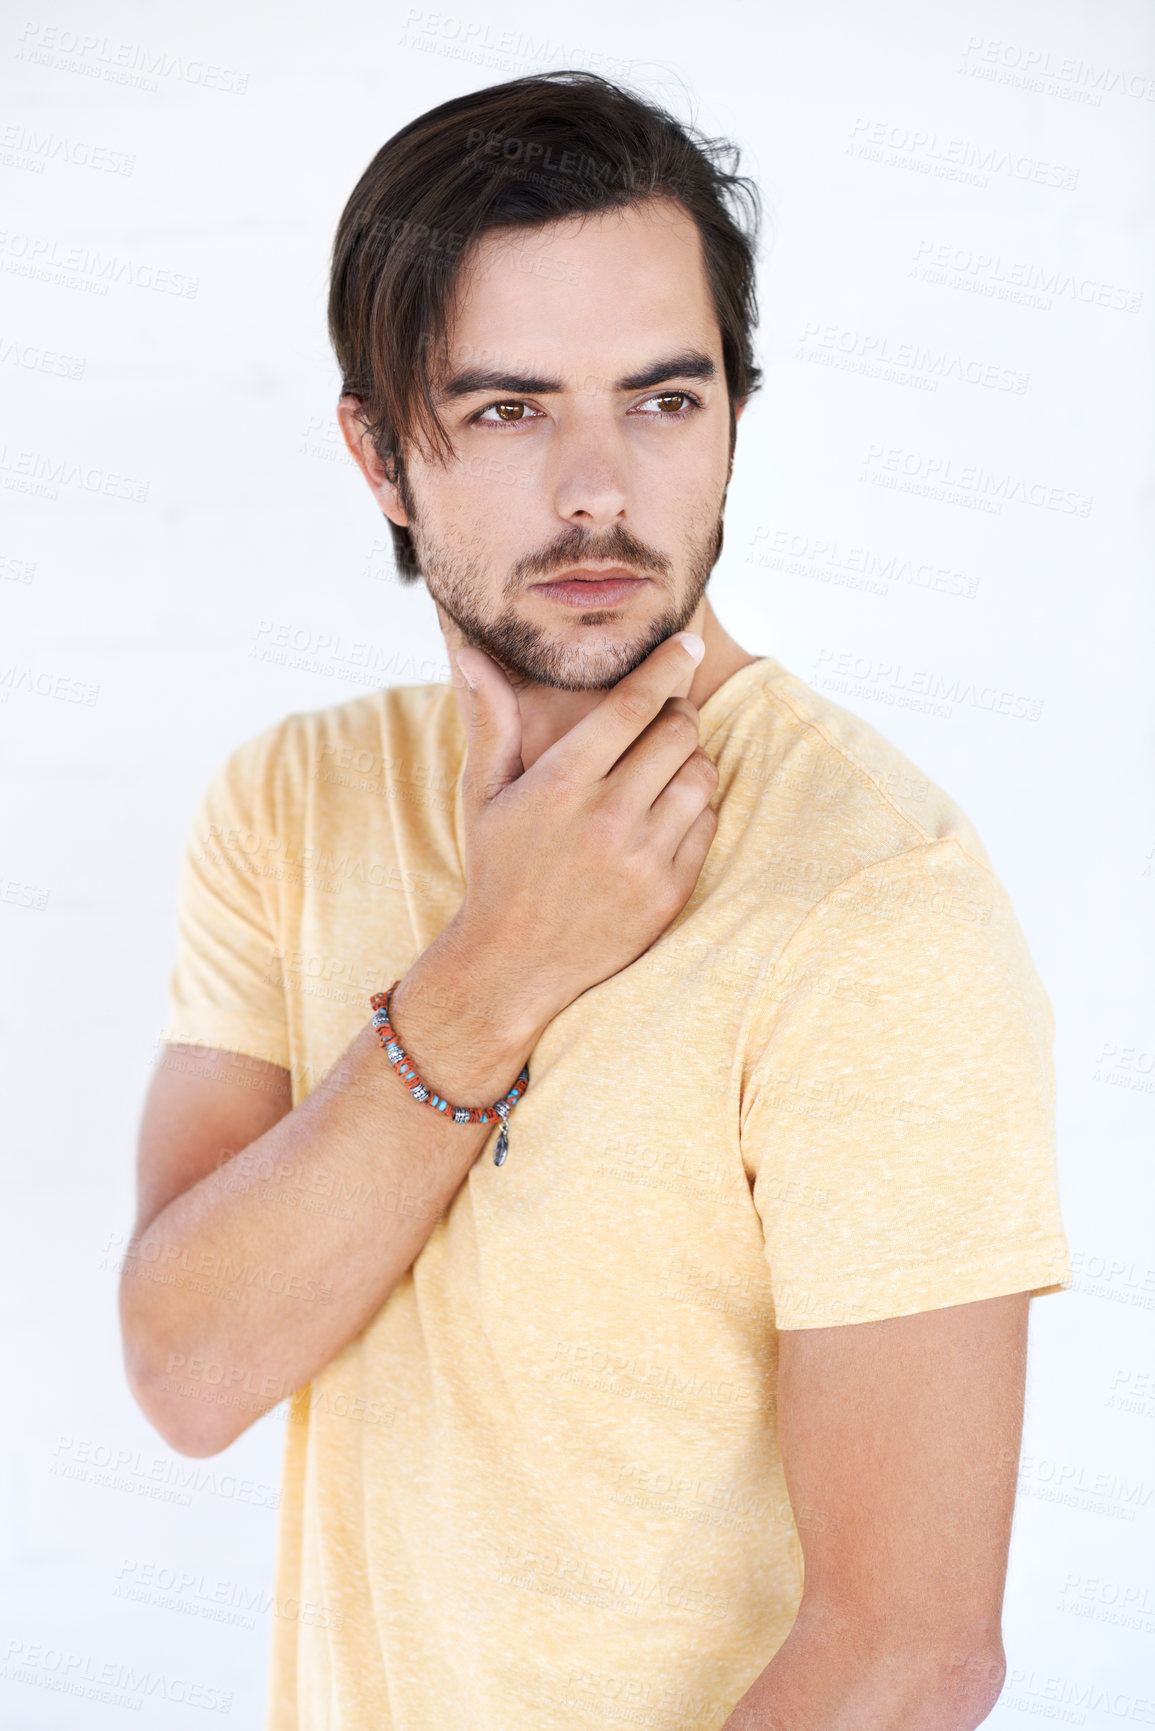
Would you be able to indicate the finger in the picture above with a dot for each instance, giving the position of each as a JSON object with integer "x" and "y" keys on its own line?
{"x": 591, "y": 748}
{"x": 493, "y": 757}
{"x": 693, "y": 849}
{"x": 680, "y": 804}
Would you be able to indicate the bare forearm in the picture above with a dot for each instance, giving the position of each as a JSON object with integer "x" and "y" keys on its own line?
{"x": 250, "y": 1282}
{"x": 819, "y": 1680}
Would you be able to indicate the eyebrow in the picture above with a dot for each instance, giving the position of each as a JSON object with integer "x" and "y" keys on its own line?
{"x": 690, "y": 365}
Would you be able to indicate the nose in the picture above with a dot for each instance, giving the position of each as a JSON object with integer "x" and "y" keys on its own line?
{"x": 591, "y": 474}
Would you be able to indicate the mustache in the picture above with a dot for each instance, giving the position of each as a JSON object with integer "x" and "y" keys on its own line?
{"x": 575, "y": 546}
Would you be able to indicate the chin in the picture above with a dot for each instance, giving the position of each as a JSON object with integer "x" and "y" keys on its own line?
{"x": 592, "y": 667}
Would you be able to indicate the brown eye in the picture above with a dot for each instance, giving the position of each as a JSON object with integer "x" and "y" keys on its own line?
{"x": 671, "y": 401}
{"x": 510, "y": 411}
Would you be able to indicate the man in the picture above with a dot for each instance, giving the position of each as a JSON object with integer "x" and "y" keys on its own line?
{"x": 703, "y": 1407}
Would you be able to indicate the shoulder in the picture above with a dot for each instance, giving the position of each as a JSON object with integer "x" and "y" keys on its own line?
{"x": 835, "y": 785}
{"x": 288, "y": 764}
{"x": 851, "y": 847}
{"x": 887, "y": 879}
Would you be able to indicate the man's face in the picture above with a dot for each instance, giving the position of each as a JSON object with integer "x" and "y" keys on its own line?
{"x": 586, "y": 403}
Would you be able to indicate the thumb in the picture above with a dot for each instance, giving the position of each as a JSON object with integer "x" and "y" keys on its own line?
{"x": 494, "y": 755}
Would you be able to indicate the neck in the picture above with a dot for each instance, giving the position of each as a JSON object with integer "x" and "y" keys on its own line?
{"x": 547, "y": 714}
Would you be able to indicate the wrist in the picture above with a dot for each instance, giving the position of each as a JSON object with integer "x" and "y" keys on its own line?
{"x": 466, "y": 1042}
{"x": 488, "y": 991}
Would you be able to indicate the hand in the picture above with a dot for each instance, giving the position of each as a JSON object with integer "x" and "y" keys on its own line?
{"x": 575, "y": 866}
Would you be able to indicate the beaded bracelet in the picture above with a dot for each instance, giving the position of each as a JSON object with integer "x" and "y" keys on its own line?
{"x": 407, "y": 1070}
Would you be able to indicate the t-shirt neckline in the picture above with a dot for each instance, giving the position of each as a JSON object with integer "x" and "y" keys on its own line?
{"x": 723, "y": 700}
{"x": 720, "y": 704}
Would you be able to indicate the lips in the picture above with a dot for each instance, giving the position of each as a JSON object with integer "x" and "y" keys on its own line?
{"x": 602, "y": 589}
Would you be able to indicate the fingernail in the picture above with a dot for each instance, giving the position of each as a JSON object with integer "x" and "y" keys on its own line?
{"x": 464, "y": 672}
{"x": 695, "y": 644}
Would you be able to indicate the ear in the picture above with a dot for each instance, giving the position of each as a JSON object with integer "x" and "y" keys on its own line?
{"x": 354, "y": 431}
{"x": 738, "y": 407}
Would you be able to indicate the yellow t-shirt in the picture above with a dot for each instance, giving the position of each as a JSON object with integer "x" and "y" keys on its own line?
{"x": 542, "y": 1489}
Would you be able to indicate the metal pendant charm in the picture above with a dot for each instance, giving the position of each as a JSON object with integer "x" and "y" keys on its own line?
{"x": 503, "y": 1108}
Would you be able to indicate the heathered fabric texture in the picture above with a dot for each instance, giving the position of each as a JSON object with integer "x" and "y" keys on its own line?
{"x": 543, "y": 1489}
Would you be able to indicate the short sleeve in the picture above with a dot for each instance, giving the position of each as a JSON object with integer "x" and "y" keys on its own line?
{"x": 897, "y": 1112}
{"x": 226, "y": 987}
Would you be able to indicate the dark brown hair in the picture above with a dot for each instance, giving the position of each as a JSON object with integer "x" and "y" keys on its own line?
{"x": 515, "y": 155}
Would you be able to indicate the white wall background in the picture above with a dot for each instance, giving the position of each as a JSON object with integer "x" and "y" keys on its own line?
{"x": 940, "y": 513}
